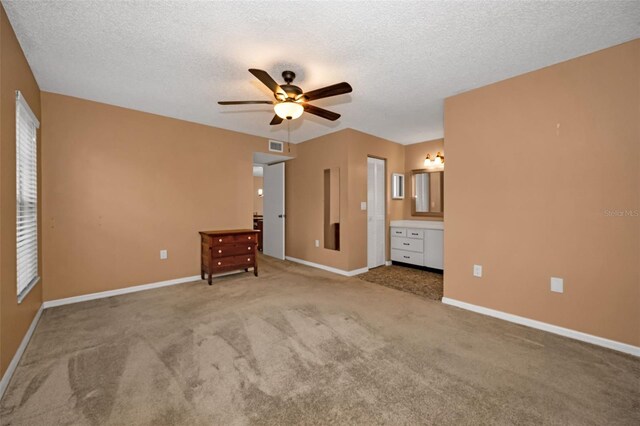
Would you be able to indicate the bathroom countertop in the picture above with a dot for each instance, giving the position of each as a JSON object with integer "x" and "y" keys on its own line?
{"x": 421, "y": 224}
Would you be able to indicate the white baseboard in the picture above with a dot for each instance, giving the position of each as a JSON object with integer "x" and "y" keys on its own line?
{"x": 328, "y": 268}
{"x": 566, "y": 332}
{"x": 119, "y": 291}
{"x": 6, "y": 378}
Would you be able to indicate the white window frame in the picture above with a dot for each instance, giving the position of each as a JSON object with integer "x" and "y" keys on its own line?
{"x": 27, "y": 125}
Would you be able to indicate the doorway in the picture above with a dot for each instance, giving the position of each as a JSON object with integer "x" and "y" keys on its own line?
{"x": 272, "y": 220}
{"x": 376, "y": 241}
{"x": 274, "y": 214}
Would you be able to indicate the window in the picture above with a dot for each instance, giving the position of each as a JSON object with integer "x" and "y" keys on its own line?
{"x": 26, "y": 197}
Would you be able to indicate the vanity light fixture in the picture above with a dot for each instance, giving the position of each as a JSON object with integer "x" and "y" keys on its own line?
{"x": 434, "y": 162}
{"x": 439, "y": 158}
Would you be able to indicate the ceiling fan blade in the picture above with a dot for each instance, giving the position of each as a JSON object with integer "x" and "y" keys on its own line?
{"x": 325, "y": 92}
{"x": 244, "y": 102}
{"x": 276, "y": 120}
{"x": 320, "y": 112}
{"x": 266, "y": 79}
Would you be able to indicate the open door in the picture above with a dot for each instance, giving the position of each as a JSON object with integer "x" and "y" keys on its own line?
{"x": 273, "y": 207}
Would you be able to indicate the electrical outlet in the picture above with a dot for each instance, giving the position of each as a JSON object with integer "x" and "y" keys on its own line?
{"x": 477, "y": 270}
{"x": 557, "y": 285}
{"x": 163, "y": 254}
{"x": 363, "y": 205}
{"x": 317, "y": 243}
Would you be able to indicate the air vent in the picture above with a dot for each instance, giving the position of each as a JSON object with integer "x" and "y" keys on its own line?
{"x": 276, "y": 146}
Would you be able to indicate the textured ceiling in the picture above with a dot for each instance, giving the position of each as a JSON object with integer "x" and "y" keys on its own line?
{"x": 177, "y": 58}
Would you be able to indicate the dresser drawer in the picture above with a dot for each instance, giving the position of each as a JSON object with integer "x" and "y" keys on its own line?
{"x": 407, "y": 257}
{"x": 232, "y": 250}
{"x": 234, "y": 261}
{"x": 410, "y": 244}
{"x": 233, "y": 239}
{"x": 398, "y": 232}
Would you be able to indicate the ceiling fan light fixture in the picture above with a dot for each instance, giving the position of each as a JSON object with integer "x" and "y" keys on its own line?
{"x": 288, "y": 110}
{"x": 290, "y": 100}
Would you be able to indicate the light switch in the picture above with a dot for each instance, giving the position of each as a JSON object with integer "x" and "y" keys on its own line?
{"x": 163, "y": 254}
{"x": 477, "y": 270}
{"x": 363, "y": 205}
{"x": 557, "y": 285}
{"x": 317, "y": 243}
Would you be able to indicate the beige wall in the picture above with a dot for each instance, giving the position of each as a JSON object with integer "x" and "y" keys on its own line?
{"x": 258, "y": 183}
{"x": 347, "y": 150}
{"x": 414, "y": 156}
{"x": 533, "y": 165}
{"x": 304, "y": 198}
{"x": 15, "y": 74}
{"x": 120, "y": 185}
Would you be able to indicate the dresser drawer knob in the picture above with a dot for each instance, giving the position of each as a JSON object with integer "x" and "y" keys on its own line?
{"x": 219, "y": 251}
{"x": 219, "y": 263}
{"x": 406, "y": 244}
{"x": 248, "y": 259}
{"x": 406, "y": 257}
{"x": 249, "y": 248}
{"x": 220, "y": 240}
{"x": 249, "y": 237}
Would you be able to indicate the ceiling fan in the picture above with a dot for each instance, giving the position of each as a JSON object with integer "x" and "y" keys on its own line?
{"x": 290, "y": 101}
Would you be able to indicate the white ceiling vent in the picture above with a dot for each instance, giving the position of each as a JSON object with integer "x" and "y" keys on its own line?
{"x": 276, "y": 146}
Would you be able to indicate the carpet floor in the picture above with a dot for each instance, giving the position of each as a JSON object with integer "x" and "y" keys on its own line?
{"x": 303, "y": 346}
{"x": 417, "y": 281}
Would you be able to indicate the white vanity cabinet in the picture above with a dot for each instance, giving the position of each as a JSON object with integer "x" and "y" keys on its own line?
{"x": 434, "y": 248}
{"x": 418, "y": 243}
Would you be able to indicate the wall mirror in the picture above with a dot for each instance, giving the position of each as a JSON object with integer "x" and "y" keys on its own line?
{"x": 397, "y": 186}
{"x": 332, "y": 208}
{"x": 428, "y": 193}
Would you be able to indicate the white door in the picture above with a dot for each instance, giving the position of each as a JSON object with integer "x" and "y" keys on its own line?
{"x": 273, "y": 211}
{"x": 375, "y": 213}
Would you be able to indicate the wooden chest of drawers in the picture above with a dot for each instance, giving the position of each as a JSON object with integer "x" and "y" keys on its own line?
{"x": 229, "y": 250}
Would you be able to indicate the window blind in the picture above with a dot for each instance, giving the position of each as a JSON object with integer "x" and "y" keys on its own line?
{"x": 26, "y": 197}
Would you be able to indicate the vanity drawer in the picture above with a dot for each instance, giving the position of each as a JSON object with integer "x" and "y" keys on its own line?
{"x": 415, "y": 233}
{"x": 398, "y": 232}
{"x": 410, "y": 244}
{"x": 407, "y": 257}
